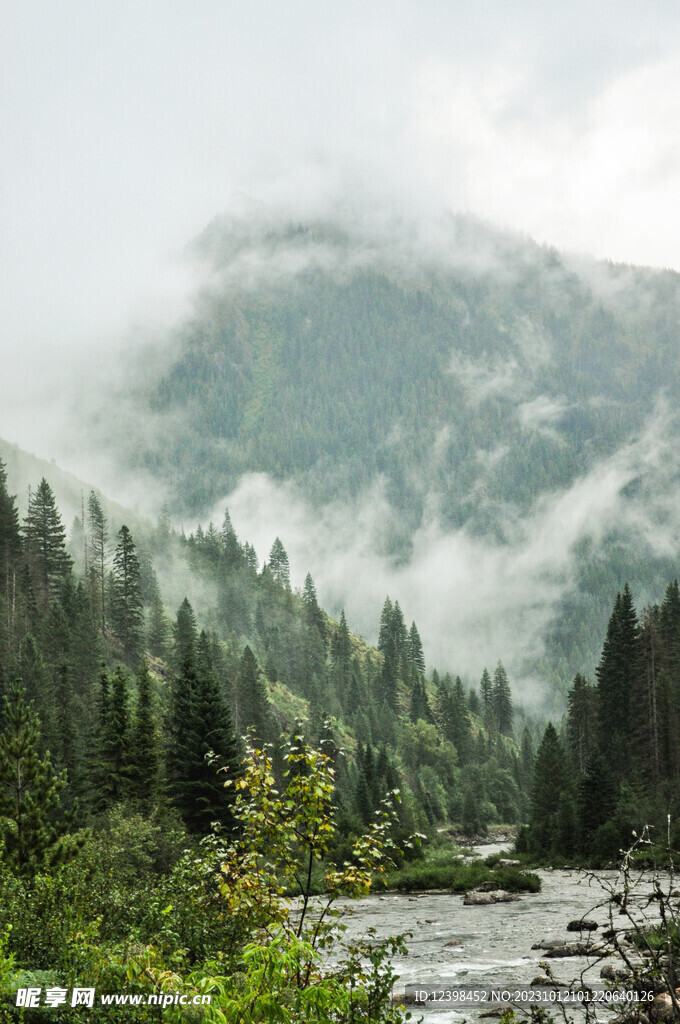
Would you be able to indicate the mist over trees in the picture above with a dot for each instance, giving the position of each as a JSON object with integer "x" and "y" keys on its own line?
{"x": 474, "y": 382}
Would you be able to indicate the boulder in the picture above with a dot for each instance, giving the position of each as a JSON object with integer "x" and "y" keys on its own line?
{"x": 453, "y": 942}
{"x": 477, "y": 898}
{"x": 504, "y": 863}
{"x": 549, "y": 943}
{"x": 576, "y": 949}
{"x": 662, "y": 1008}
{"x": 582, "y": 925}
{"x": 543, "y": 981}
{"x": 611, "y": 973}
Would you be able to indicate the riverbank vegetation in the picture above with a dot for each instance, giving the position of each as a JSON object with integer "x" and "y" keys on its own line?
{"x": 124, "y": 721}
{"x": 614, "y": 766}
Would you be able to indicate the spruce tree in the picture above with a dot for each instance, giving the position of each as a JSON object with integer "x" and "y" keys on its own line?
{"x": 117, "y": 738}
{"x": 46, "y": 544}
{"x": 278, "y": 564}
{"x": 29, "y": 789}
{"x": 616, "y": 674}
{"x": 551, "y": 782}
{"x": 415, "y": 650}
{"x": 253, "y": 700}
{"x": 501, "y": 701}
{"x": 10, "y": 567}
{"x": 184, "y": 635}
{"x": 233, "y": 554}
{"x": 341, "y": 661}
{"x": 144, "y": 753}
{"x": 486, "y": 690}
{"x": 581, "y": 721}
{"x": 158, "y": 628}
{"x": 313, "y": 613}
{"x": 98, "y": 541}
{"x": 127, "y": 615}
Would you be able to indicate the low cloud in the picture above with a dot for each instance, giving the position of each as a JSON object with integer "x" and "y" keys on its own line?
{"x": 474, "y": 600}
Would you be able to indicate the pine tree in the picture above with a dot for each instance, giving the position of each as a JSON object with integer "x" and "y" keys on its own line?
{"x": 98, "y": 540}
{"x": 184, "y": 635}
{"x": 313, "y": 613}
{"x": 10, "y": 566}
{"x": 144, "y": 753}
{"x": 117, "y": 738}
{"x": 596, "y": 798}
{"x": 486, "y": 690}
{"x": 390, "y": 634}
{"x": 616, "y": 674}
{"x": 253, "y": 699}
{"x": 213, "y": 726}
{"x": 29, "y": 789}
{"x": 415, "y": 650}
{"x": 127, "y": 615}
{"x": 581, "y": 721}
{"x": 550, "y": 782}
{"x": 420, "y": 707}
{"x": 158, "y": 628}
{"x": 46, "y": 544}
{"x": 341, "y": 661}
{"x": 233, "y": 554}
{"x": 501, "y": 701}
{"x": 278, "y": 564}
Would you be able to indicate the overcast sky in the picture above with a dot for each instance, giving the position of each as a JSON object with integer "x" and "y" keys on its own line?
{"x": 128, "y": 125}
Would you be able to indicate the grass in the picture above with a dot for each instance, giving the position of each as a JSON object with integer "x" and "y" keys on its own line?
{"x": 455, "y": 875}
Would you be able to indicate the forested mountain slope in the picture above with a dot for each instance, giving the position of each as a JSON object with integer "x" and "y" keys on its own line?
{"x": 488, "y": 385}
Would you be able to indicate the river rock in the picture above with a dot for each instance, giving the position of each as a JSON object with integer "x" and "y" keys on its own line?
{"x": 576, "y": 949}
{"x": 543, "y": 981}
{"x": 611, "y": 973}
{"x": 453, "y": 942}
{"x": 549, "y": 943}
{"x": 504, "y": 863}
{"x": 475, "y": 898}
{"x": 582, "y": 925}
{"x": 662, "y": 1007}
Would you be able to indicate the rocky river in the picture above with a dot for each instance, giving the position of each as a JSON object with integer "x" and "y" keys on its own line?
{"x": 485, "y": 946}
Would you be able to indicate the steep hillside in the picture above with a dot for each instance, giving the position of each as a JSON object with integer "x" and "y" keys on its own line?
{"x": 490, "y": 388}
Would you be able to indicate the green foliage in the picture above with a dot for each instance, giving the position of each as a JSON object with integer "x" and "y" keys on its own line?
{"x": 29, "y": 790}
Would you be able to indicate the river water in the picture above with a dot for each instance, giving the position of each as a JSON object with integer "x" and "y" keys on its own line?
{"x": 495, "y": 941}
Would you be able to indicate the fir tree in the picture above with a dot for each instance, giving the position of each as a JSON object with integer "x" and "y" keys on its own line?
{"x": 158, "y": 628}
{"x": 10, "y": 566}
{"x": 127, "y": 616}
{"x": 341, "y": 661}
{"x": 233, "y": 554}
{"x": 486, "y": 690}
{"x": 253, "y": 699}
{"x": 29, "y": 789}
{"x": 144, "y": 755}
{"x": 314, "y": 615}
{"x": 46, "y": 544}
{"x": 581, "y": 721}
{"x": 184, "y": 635}
{"x": 117, "y": 738}
{"x": 550, "y": 782}
{"x": 98, "y": 540}
{"x": 278, "y": 564}
{"x": 415, "y": 650}
{"x": 616, "y": 683}
{"x": 501, "y": 701}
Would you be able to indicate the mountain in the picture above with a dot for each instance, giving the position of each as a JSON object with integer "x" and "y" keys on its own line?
{"x": 492, "y": 390}
{"x": 25, "y": 471}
